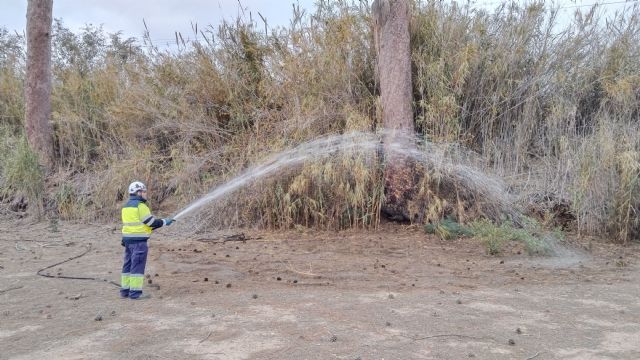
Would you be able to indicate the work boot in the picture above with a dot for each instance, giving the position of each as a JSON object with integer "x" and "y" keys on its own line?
{"x": 142, "y": 297}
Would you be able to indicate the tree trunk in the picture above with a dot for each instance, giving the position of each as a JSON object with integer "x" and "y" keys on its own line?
{"x": 38, "y": 83}
{"x": 391, "y": 35}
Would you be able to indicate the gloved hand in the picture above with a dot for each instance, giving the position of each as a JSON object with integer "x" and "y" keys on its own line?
{"x": 122, "y": 242}
{"x": 168, "y": 222}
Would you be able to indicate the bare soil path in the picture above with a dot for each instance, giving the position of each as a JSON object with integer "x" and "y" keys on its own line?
{"x": 392, "y": 294}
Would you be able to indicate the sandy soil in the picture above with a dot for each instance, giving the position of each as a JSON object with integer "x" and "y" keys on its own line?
{"x": 392, "y": 294}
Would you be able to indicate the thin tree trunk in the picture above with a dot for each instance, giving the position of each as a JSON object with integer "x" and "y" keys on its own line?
{"x": 392, "y": 40}
{"x": 38, "y": 83}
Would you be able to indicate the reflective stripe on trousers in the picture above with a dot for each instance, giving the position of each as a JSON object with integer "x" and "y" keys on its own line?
{"x": 124, "y": 281}
{"x": 135, "y": 260}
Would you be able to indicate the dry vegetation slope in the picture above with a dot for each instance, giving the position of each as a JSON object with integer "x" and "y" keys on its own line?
{"x": 554, "y": 108}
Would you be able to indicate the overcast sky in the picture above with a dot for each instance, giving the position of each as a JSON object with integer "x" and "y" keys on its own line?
{"x": 165, "y": 17}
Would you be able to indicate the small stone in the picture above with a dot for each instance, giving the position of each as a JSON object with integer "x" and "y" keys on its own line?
{"x": 458, "y": 301}
{"x": 113, "y": 313}
{"x": 511, "y": 342}
{"x": 295, "y": 281}
{"x": 227, "y": 255}
{"x": 391, "y": 296}
{"x": 471, "y": 355}
{"x": 501, "y": 261}
{"x": 156, "y": 275}
{"x": 206, "y": 279}
{"x": 149, "y": 281}
{"x": 216, "y": 282}
{"x": 278, "y": 278}
{"x": 228, "y": 285}
{"x": 255, "y": 296}
{"x": 333, "y": 338}
{"x": 98, "y": 318}
{"x": 518, "y": 331}
{"x": 387, "y": 324}
{"x": 147, "y": 276}
{"x": 237, "y": 248}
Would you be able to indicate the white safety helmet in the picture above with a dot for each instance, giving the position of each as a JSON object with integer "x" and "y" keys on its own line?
{"x": 136, "y": 186}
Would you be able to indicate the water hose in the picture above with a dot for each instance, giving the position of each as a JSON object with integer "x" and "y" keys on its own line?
{"x": 73, "y": 277}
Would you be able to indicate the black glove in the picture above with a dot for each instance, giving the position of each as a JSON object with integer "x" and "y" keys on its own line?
{"x": 122, "y": 243}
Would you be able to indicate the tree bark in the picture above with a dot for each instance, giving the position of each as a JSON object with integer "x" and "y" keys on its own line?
{"x": 392, "y": 41}
{"x": 38, "y": 82}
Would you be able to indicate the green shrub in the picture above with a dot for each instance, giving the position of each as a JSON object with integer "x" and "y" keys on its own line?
{"x": 21, "y": 172}
{"x": 448, "y": 229}
{"x": 494, "y": 237}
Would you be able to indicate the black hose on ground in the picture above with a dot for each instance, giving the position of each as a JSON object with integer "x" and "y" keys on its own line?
{"x": 73, "y": 277}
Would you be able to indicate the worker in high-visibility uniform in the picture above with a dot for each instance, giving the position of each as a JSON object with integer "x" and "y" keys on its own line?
{"x": 137, "y": 225}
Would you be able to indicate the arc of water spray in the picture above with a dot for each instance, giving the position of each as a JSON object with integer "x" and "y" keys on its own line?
{"x": 295, "y": 156}
{"x": 451, "y": 160}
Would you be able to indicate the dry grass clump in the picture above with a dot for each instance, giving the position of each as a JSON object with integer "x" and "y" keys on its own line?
{"x": 339, "y": 192}
{"x": 551, "y": 108}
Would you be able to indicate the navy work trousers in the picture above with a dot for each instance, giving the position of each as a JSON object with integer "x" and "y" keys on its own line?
{"x": 132, "y": 277}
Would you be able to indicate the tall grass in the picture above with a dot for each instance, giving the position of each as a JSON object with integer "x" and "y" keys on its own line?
{"x": 553, "y": 108}
{"x": 21, "y": 175}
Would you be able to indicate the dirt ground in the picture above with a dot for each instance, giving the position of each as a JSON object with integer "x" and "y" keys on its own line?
{"x": 392, "y": 294}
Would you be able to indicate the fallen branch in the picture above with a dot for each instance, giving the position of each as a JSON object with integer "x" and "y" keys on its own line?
{"x": 225, "y": 238}
{"x": 11, "y": 288}
{"x": 235, "y": 237}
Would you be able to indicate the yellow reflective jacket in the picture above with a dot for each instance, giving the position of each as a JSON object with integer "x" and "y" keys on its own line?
{"x": 137, "y": 221}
